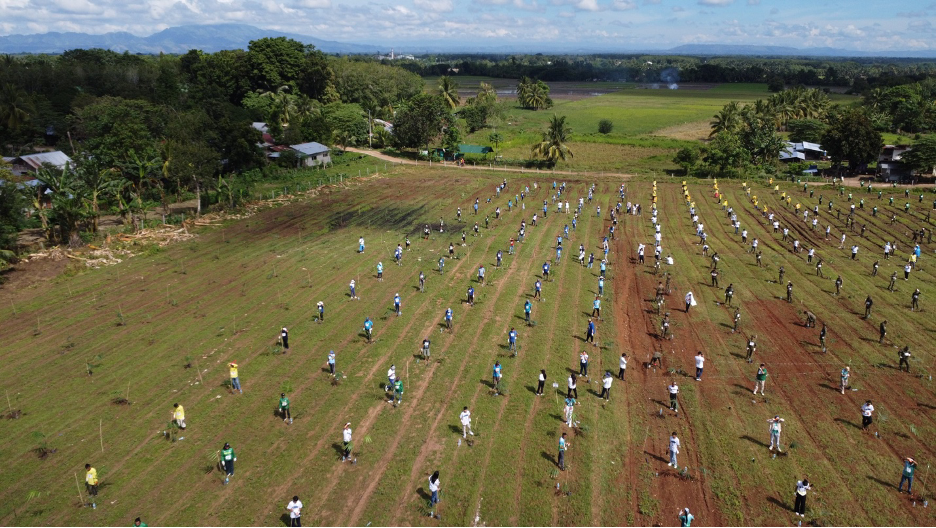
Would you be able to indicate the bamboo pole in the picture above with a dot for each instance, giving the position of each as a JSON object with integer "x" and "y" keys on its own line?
{"x": 8, "y": 400}
{"x": 101, "y": 431}
{"x": 14, "y": 306}
{"x": 199, "y": 373}
{"x": 80, "y": 498}
{"x": 128, "y": 393}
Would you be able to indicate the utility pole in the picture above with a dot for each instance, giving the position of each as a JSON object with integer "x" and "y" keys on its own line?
{"x": 370, "y": 127}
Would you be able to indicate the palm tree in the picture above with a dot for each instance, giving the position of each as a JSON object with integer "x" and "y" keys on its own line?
{"x": 553, "y": 147}
{"x": 15, "y": 107}
{"x": 728, "y": 119}
{"x": 448, "y": 89}
{"x": 283, "y": 105}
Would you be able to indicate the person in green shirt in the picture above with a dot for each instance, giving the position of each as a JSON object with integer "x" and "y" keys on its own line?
{"x": 760, "y": 379}
{"x": 907, "y": 476}
{"x": 227, "y": 459}
{"x": 397, "y": 392}
{"x": 284, "y": 408}
{"x": 138, "y": 522}
{"x": 685, "y": 518}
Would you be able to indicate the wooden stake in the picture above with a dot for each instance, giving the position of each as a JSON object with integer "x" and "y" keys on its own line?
{"x": 101, "y": 431}
{"x": 8, "y": 401}
{"x": 80, "y": 498}
{"x": 235, "y": 324}
{"x": 199, "y": 373}
{"x": 128, "y": 393}
{"x": 14, "y": 306}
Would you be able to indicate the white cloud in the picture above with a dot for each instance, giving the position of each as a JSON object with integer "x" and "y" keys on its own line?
{"x": 651, "y": 2}
{"x": 716, "y": 3}
{"x": 753, "y": 2}
{"x": 678, "y": 9}
{"x": 587, "y": 5}
{"x": 314, "y": 4}
{"x": 438, "y": 6}
{"x": 623, "y": 5}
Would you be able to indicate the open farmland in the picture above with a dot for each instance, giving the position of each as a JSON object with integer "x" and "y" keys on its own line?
{"x": 224, "y": 296}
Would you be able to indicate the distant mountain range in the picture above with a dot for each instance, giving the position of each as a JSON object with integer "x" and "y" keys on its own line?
{"x": 211, "y": 38}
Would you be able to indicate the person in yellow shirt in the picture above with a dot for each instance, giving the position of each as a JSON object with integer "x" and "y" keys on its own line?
{"x": 235, "y": 381}
{"x": 91, "y": 483}
{"x": 178, "y": 416}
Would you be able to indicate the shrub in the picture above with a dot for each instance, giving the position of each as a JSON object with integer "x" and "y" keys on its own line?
{"x": 605, "y": 126}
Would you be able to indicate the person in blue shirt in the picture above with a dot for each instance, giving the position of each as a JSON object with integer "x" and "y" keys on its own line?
{"x": 331, "y": 362}
{"x": 398, "y": 255}
{"x": 497, "y": 376}
{"x": 546, "y": 271}
{"x": 596, "y": 308}
{"x": 442, "y": 265}
{"x": 368, "y": 328}
{"x": 500, "y": 256}
{"x": 600, "y": 286}
{"x": 448, "y": 319}
{"x": 559, "y": 241}
{"x": 321, "y": 311}
{"x": 538, "y": 290}
{"x": 590, "y": 332}
{"x": 527, "y": 308}
{"x": 512, "y": 341}
{"x": 604, "y": 267}
{"x": 558, "y": 254}
{"x": 566, "y": 230}
{"x": 471, "y": 295}
{"x": 396, "y": 305}
{"x": 481, "y": 275}
{"x": 591, "y": 260}
{"x": 574, "y": 223}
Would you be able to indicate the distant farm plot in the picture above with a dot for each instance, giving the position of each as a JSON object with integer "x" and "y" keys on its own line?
{"x": 161, "y": 328}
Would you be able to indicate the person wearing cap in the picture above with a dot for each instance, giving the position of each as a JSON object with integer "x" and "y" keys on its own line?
{"x": 846, "y": 372}
{"x": 368, "y": 328}
{"x": 284, "y": 408}
{"x": 465, "y": 418}
{"x": 353, "y": 293}
{"x": 295, "y": 509}
{"x": 235, "y": 380}
{"x": 284, "y": 337}
{"x": 178, "y": 416}
{"x": 866, "y": 411}
{"x": 346, "y": 439}
{"x": 321, "y": 311}
{"x": 606, "y": 386}
{"x": 471, "y": 293}
{"x": 685, "y": 518}
{"x": 379, "y": 271}
{"x": 699, "y": 362}
{"x": 774, "y": 426}
{"x": 227, "y": 459}
{"x": 907, "y": 476}
{"x": 396, "y": 305}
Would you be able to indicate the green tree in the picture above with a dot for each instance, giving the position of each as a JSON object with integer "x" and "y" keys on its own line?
{"x": 726, "y": 154}
{"x": 110, "y": 127}
{"x": 12, "y": 204}
{"x": 495, "y": 138}
{"x": 15, "y": 107}
{"x": 419, "y": 121}
{"x": 554, "y": 145}
{"x": 810, "y": 130}
{"x": 687, "y": 158}
{"x": 728, "y": 119}
{"x": 448, "y": 90}
{"x": 194, "y": 162}
{"x": 851, "y": 137}
{"x": 273, "y": 62}
{"x": 922, "y": 157}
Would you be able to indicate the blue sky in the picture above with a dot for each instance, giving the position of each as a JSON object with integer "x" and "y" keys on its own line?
{"x": 870, "y": 25}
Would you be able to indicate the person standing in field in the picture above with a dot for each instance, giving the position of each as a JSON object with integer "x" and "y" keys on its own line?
{"x": 353, "y": 292}
{"x": 321, "y": 311}
{"x": 673, "y": 390}
{"x": 699, "y": 362}
{"x": 907, "y": 475}
{"x": 846, "y": 373}
{"x": 789, "y": 289}
{"x": 284, "y": 338}
{"x": 903, "y": 358}
{"x": 760, "y": 379}
{"x": 368, "y": 328}
{"x": 448, "y": 319}
{"x": 496, "y": 377}
{"x": 622, "y": 366}
{"x": 346, "y": 441}
{"x": 596, "y": 308}
{"x": 284, "y": 408}
{"x": 512, "y": 341}
{"x": 295, "y": 511}
{"x": 868, "y": 304}
{"x": 915, "y": 300}
{"x": 178, "y": 416}
{"x": 537, "y": 290}
{"x": 425, "y": 348}
{"x": 673, "y": 450}
{"x": 422, "y": 282}
{"x": 235, "y": 379}
{"x": 689, "y": 301}
{"x": 685, "y": 518}
{"x": 541, "y": 382}
{"x": 465, "y": 418}
{"x": 227, "y": 459}
{"x": 802, "y": 486}
{"x": 866, "y": 410}
{"x": 583, "y": 363}
{"x": 751, "y": 348}
{"x": 563, "y": 446}
{"x": 569, "y": 410}
{"x": 606, "y": 386}
{"x": 139, "y": 522}
{"x": 882, "y": 330}
{"x": 396, "y": 305}
{"x": 572, "y": 386}
{"x": 774, "y": 426}
{"x": 331, "y": 362}
{"x": 527, "y": 309}
{"x": 822, "y": 336}
{"x": 91, "y": 484}
{"x": 397, "y": 392}
{"x": 361, "y": 245}
{"x": 590, "y": 332}
{"x": 379, "y": 271}
{"x": 434, "y": 485}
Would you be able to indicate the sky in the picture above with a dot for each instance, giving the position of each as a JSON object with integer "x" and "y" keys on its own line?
{"x": 868, "y": 25}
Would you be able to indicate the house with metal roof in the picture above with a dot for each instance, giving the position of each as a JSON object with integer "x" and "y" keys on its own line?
{"x": 312, "y": 154}
{"x": 30, "y": 163}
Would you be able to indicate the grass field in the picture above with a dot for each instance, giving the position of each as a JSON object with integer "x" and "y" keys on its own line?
{"x": 223, "y": 297}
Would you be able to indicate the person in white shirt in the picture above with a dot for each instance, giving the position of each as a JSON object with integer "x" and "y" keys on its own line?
{"x": 434, "y": 484}
{"x": 673, "y": 391}
{"x": 465, "y": 418}
{"x": 689, "y": 301}
{"x": 774, "y": 428}
{"x": 866, "y": 411}
{"x": 623, "y": 367}
{"x": 572, "y": 387}
{"x": 673, "y": 450}
{"x": 606, "y": 386}
{"x": 346, "y": 438}
{"x": 541, "y": 382}
{"x": 699, "y": 362}
{"x": 391, "y": 377}
{"x": 799, "y": 507}
{"x": 294, "y": 508}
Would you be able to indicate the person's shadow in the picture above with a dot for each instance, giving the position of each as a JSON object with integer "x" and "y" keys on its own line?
{"x": 285, "y": 519}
